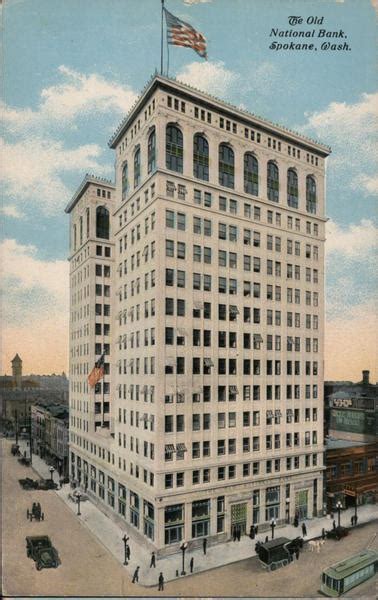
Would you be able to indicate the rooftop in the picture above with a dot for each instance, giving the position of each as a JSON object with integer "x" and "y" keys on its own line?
{"x": 243, "y": 114}
{"x": 88, "y": 179}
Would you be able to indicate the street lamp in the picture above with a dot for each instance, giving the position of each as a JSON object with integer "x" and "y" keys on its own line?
{"x": 273, "y": 524}
{"x": 339, "y": 507}
{"x": 183, "y": 547}
{"x": 51, "y": 469}
{"x": 78, "y": 496}
{"x": 125, "y": 540}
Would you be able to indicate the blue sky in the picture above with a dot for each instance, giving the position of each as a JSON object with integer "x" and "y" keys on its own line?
{"x": 72, "y": 70}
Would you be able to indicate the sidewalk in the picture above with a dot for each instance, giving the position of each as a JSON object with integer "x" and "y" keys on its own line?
{"x": 110, "y": 536}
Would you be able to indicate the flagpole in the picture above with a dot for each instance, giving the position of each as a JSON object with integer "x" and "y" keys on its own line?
{"x": 161, "y": 43}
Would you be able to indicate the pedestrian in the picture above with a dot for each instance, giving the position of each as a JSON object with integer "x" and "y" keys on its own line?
{"x": 153, "y": 560}
{"x": 234, "y": 533}
{"x": 128, "y": 552}
{"x": 161, "y": 583}
{"x": 136, "y": 575}
{"x": 191, "y": 564}
{"x": 256, "y": 529}
{"x": 204, "y": 545}
{"x": 252, "y": 532}
{"x": 334, "y": 524}
{"x": 296, "y": 520}
{"x": 323, "y": 534}
{"x": 266, "y": 539}
{"x": 304, "y": 530}
{"x": 238, "y": 534}
{"x": 297, "y": 553}
{"x": 352, "y": 520}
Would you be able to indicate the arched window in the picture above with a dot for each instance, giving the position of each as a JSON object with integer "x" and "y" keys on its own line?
{"x": 174, "y": 149}
{"x": 137, "y": 167}
{"x": 310, "y": 194}
{"x": 292, "y": 188}
{"x": 251, "y": 174}
{"x": 151, "y": 152}
{"x": 87, "y": 222}
{"x": 81, "y": 230}
{"x": 102, "y": 222}
{"x": 74, "y": 237}
{"x": 125, "y": 180}
{"x": 273, "y": 181}
{"x": 200, "y": 157}
{"x": 226, "y": 166}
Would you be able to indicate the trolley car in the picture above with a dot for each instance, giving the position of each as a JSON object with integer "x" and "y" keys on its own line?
{"x": 345, "y": 575}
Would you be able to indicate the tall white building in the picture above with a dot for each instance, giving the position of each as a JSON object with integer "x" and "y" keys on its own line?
{"x": 210, "y": 415}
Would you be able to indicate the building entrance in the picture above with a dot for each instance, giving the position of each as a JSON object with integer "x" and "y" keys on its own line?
{"x": 239, "y": 518}
{"x": 301, "y": 504}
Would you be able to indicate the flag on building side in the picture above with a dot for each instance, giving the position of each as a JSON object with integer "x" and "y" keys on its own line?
{"x": 97, "y": 372}
{"x": 180, "y": 33}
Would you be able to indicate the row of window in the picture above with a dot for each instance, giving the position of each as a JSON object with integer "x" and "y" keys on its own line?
{"x": 230, "y": 472}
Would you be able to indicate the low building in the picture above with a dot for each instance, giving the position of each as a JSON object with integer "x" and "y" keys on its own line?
{"x": 50, "y": 424}
{"x": 351, "y": 456}
{"x": 351, "y": 473}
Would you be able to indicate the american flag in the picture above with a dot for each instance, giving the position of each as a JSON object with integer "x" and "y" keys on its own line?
{"x": 97, "y": 372}
{"x": 180, "y": 33}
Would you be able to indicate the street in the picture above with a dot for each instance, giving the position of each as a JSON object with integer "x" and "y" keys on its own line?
{"x": 88, "y": 569}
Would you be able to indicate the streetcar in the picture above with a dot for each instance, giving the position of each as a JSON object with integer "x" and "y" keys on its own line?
{"x": 345, "y": 575}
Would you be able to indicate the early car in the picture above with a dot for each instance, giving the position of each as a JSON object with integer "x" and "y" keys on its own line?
{"x": 35, "y": 512}
{"x": 337, "y": 533}
{"x": 28, "y": 484}
{"x": 277, "y": 553}
{"x": 47, "y": 484}
{"x": 40, "y": 549}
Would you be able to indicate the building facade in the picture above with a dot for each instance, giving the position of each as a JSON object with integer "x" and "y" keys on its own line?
{"x": 210, "y": 414}
{"x": 50, "y": 436}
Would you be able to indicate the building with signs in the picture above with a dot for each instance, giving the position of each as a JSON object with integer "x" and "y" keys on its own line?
{"x": 200, "y": 276}
{"x": 351, "y": 447}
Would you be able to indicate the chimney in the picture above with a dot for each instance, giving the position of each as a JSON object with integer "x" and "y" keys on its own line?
{"x": 365, "y": 377}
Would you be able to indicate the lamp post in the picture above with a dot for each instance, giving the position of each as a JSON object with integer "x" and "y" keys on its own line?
{"x": 125, "y": 540}
{"x": 51, "y": 469}
{"x": 78, "y": 496}
{"x": 273, "y": 524}
{"x": 338, "y": 506}
{"x": 183, "y": 547}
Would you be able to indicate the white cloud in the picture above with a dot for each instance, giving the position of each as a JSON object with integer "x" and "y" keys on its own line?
{"x": 34, "y": 169}
{"x": 75, "y": 97}
{"x": 350, "y": 130}
{"x": 26, "y": 271}
{"x": 9, "y": 210}
{"x": 356, "y": 241}
{"x": 36, "y": 308}
{"x": 210, "y": 77}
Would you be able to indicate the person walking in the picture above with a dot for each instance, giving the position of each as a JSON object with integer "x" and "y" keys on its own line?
{"x": 334, "y": 524}
{"x": 191, "y": 564}
{"x": 234, "y": 534}
{"x": 238, "y": 534}
{"x": 153, "y": 560}
{"x": 161, "y": 583}
{"x": 352, "y": 521}
{"x": 266, "y": 539}
{"x": 204, "y": 545}
{"x": 323, "y": 534}
{"x": 304, "y": 530}
{"x": 135, "y": 576}
{"x": 256, "y": 529}
{"x": 252, "y": 532}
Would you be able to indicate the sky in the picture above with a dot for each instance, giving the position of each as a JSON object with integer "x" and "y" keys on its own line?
{"x": 73, "y": 69}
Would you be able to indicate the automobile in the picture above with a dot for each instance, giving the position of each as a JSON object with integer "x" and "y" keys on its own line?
{"x": 35, "y": 512}
{"x": 47, "y": 484}
{"x": 41, "y": 550}
{"x": 337, "y": 533}
{"x": 277, "y": 553}
{"x": 28, "y": 484}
